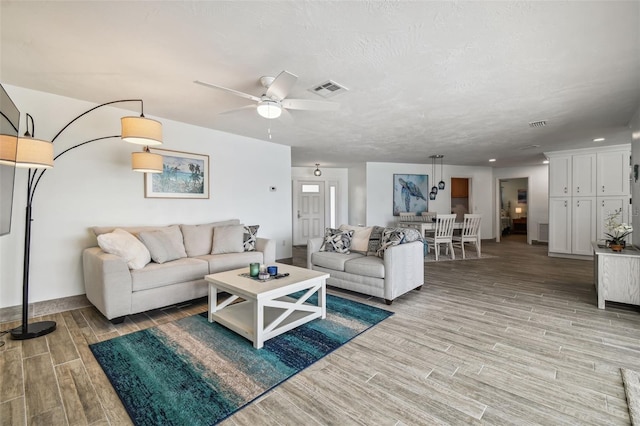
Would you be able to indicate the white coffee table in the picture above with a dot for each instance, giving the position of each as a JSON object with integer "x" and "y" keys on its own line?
{"x": 266, "y": 310}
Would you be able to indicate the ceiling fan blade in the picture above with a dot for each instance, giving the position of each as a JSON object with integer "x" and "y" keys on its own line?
{"x": 286, "y": 117}
{"x": 310, "y": 105}
{"x": 282, "y": 85}
{"x": 244, "y": 108}
{"x": 226, "y": 89}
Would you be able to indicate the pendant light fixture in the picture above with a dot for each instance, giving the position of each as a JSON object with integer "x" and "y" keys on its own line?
{"x": 434, "y": 188}
{"x": 441, "y": 184}
{"x": 317, "y": 171}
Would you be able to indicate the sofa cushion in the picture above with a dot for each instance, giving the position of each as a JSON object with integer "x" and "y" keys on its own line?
{"x": 228, "y": 239}
{"x": 199, "y": 238}
{"x": 336, "y": 240}
{"x": 249, "y": 239}
{"x": 374, "y": 240}
{"x": 390, "y": 237}
{"x": 369, "y": 266}
{"x": 360, "y": 240}
{"x": 122, "y": 243}
{"x": 159, "y": 275}
{"x": 226, "y": 262}
{"x": 332, "y": 260}
{"x": 160, "y": 245}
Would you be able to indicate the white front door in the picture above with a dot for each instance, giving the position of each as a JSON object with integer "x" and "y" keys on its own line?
{"x": 308, "y": 215}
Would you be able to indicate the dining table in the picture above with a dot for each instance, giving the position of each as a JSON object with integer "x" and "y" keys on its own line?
{"x": 424, "y": 226}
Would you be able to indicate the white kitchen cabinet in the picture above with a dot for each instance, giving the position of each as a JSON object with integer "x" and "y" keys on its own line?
{"x": 583, "y": 176}
{"x": 613, "y": 173}
{"x": 560, "y": 225}
{"x": 560, "y": 176}
{"x": 583, "y": 217}
{"x": 585, "y": 184}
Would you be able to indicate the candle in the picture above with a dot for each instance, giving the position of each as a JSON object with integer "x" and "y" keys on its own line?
{"x": 254, "y": 269}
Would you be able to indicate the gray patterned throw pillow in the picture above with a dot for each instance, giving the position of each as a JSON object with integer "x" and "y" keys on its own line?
{"x": 337, "y": 241}
{"x": 411, "y": 235}
{"x": 374, "y": 240}
{"x": 390, "y": 237}
{"x": 249, "y": 239}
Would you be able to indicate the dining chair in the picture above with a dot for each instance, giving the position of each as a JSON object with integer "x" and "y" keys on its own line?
{"x": 443, "y": 234}
{"x": 470, "y": 233}
{"x": 427, "y": 216}
{"x": 407, "y": 216}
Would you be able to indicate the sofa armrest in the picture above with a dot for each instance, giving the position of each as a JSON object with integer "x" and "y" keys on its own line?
{"x": 107, "y": 282}
{"x": 403, "y": 268}
{"x": 313, "y": 246}
{"x": 268, "y": 249}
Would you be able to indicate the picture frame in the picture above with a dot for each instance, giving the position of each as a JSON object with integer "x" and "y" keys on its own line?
{"x": 410, "y": 193}
{"x": 185, "y": 175}
{"x": 522, "y": 196}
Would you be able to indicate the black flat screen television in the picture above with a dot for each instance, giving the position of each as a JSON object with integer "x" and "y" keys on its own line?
{"x": 9, "y": 124}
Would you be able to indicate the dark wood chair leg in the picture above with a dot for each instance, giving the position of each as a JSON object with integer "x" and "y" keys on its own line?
{"x": 388, "y": 302}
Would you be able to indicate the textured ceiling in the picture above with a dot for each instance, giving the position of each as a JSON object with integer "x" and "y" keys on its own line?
{"x": 462, "y": 79}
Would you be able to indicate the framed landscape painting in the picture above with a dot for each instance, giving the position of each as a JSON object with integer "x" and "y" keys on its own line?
{"x": 409, "y": 193}
{"x": 184, "y": 175}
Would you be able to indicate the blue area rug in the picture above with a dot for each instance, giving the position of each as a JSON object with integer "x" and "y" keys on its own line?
{"x": 198, "y": 373}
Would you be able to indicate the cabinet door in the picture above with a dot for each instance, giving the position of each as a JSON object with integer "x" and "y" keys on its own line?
{"x": 607, "y": 205}
{"x": 613, "y": 173}
{"x": 583, "y": 175}
{"x": 560, "y": 225}
{"x": 583, "y": 220}
{"x": 560, "y": 176}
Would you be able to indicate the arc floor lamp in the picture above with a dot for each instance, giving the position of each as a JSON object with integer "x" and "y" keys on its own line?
{"x": 37, "y": 156}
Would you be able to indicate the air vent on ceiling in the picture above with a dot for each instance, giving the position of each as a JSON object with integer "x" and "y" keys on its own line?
{"x": 328, "y": 89}
{"x": 530, "y": 147}
{"x": 540, "y": 123}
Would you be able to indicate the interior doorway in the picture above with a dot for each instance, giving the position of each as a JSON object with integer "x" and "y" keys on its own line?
{"x": 514, "y": 205}
{"x": 460, "y": 200}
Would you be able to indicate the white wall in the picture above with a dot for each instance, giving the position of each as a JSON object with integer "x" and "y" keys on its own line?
{"x": 537, "y": 194}
{"x": 635, "y": 185}
{"x": 379, "y": 197}
{"x": 336, "y": 176}
{"x": 358, "y": 194}
{"x": 94, "y": 185}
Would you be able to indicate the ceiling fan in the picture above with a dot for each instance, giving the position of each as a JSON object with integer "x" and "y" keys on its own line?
{"x": 273, "y": 102}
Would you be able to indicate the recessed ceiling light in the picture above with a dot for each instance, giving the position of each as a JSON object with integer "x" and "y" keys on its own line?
{"x": 598, "y": 139}
{"x": 545, "y": 162}
{"x": 492, "y": 160}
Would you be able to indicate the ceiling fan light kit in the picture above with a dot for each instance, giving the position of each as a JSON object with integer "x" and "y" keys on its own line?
{"x": 269, "y": 109}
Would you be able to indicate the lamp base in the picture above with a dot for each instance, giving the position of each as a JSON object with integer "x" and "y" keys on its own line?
{"x": 35, "y": 329}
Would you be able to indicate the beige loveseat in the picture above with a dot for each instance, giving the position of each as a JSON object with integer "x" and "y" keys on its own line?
{"x": 387, "y": 273}
{"x": 116, "y": 290}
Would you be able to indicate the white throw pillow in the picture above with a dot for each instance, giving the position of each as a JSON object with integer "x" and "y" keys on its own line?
{"x": 228, "y": 239}
{"x": 123, "y": 244}
{"x": 360, "y": 239}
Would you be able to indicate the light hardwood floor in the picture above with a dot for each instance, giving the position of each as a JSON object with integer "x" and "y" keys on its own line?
{"x": 515, "y": 339}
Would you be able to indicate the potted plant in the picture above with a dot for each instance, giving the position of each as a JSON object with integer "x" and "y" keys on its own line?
{"x": 617, "y": 230}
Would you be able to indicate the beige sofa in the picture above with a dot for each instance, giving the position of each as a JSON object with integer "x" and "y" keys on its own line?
{"x": 116, "y": 290}
{"x": 398, "y": 272}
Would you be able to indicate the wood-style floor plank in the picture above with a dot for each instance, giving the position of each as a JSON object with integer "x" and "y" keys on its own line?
{"x": 512, "y": 339}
